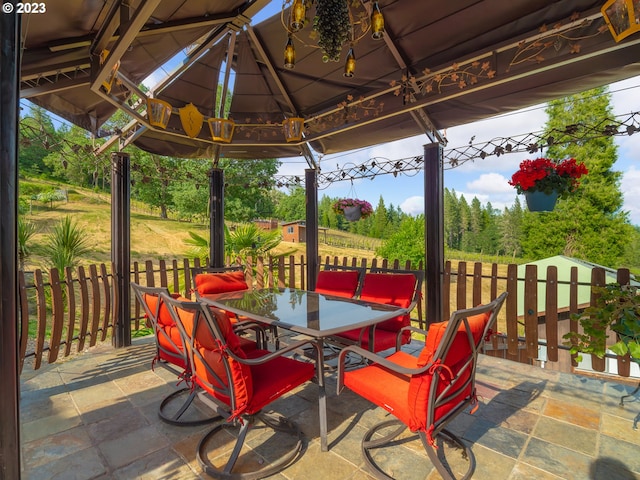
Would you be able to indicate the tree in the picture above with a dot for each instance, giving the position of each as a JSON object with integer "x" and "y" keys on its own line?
{"x": 65, "y": 244}
{"x": 155, "y": 178}
{"x": 247, "y": 186}
{"x": 465, "y": 222}
{"x": 292, "y": 207}
{"x": 190, "y": 201}
{"x": 407, "y": 243}
{"x": 37, "y": 138}
{"x": 510, "y": 230}
{"x": 379, "y": 221}
{"x": 75, "y": 161}
{"x": 26, "y": 230}
{"x": 590, "y": 223}
{"x": 452, "y": 227}
{"x": 244, "y": 241}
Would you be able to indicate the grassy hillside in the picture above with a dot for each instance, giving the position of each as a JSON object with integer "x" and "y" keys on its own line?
{"x": 151, "y": 237}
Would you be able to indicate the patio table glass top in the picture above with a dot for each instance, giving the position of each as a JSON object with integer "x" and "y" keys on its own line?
{"x": 303, "y": 311}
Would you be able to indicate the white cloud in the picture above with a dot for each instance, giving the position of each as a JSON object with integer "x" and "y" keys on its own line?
{"x": 413, "y": 205}
{"x": 630, "y": 187}
{"x": 490, "y": 183}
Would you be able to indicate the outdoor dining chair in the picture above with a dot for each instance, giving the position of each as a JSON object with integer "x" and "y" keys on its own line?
{"x": 339, "y": 281}
{"x": 169, "y": 353}
{"x": 238, "y": 385}
{"x": 401, "y": 288}
{"x": 426, "y": 392}
{"x": 211, "y": 280}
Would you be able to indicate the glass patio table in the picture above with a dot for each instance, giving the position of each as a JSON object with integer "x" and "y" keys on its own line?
{"x": 309, "y": 313}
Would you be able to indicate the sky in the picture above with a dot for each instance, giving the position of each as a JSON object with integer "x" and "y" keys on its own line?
{"x": 486, "y": 178}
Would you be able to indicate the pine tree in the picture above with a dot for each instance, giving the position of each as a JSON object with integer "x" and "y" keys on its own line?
{"x": 590, "y": 224}
{"x": 510, "y": 228}
{"x": 379, "y": 222}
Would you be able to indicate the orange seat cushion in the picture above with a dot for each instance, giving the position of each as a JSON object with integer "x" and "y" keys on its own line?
{"x": 220, "y": 282}
{"x": 406, "y": 397}
{"x": 338, "y": 283}
{"x": 386, "y": 389}
{"x": 208, "y": 361}
{"x": 254, "y": 386}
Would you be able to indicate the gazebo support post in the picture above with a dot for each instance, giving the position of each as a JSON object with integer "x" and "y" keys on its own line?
{"x": 311, "y": 197}
{"x": 121, "y": 246}
{"x": 9, "y": 370}
{"x": 434, "y": 229}
{"x": 216, "y": 218}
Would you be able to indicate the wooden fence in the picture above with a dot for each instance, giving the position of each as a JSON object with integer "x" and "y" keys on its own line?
{"x": 60, "y": 316}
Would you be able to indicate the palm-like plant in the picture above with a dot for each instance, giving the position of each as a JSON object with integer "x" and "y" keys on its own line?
{"x": 65, "y": 244}
{"x": 26, "y": 230}
{"x": 199, "y": 246}
{"x": 246, "y": 240}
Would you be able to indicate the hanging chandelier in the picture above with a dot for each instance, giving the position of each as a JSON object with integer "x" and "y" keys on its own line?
{"x": 334, "y": 25}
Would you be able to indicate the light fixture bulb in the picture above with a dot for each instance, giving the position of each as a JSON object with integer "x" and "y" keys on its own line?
{"x": 377, "y": 22}
{"x": 298, "y": 12}
{"x": 350, "y": 64}
{"x": 289, "y": 54}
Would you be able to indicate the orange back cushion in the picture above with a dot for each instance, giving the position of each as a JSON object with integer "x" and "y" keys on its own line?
{"x": 392, "y": 289}
{"x": 338, "y": 283}
{"x": 220, "y": 282}
{"x": 209, "y": 352}
{"x": 164, "y": 317}
{"x": 420, "y": 385}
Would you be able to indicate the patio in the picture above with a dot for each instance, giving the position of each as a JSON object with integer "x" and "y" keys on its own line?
{"x": 94, "y": 417}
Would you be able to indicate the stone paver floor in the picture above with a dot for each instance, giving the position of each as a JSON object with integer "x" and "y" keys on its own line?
{"x": 95, "y": 417}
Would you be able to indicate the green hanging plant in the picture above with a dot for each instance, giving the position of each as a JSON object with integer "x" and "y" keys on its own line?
{"x": 617, "y": 307}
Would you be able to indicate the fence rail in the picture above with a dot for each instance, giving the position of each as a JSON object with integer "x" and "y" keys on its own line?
{"x": 63, "y": 314}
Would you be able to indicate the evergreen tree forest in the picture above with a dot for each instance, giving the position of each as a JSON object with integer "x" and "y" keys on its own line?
{"x": 590, "y": 224}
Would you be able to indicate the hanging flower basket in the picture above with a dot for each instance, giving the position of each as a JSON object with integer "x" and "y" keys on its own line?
{"x": 543, "y": 181}
{"x": 538, "y": 201}
{"x": 353, "y": 209}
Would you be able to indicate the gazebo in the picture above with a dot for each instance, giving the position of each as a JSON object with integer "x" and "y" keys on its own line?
{"x": 432, "y": 65}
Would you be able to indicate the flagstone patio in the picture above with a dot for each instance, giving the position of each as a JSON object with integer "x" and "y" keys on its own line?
{"x": 95, "y": 417}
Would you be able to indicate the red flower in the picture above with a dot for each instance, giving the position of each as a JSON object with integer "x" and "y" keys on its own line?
{"x": 545, "y": 175}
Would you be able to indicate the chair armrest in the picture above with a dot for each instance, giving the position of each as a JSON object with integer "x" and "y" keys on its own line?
{"x": 278, "y": 353}
{"x": 410, "y": 328}
{"x": 242, "y": 325}
{"x": 377, "y": 359}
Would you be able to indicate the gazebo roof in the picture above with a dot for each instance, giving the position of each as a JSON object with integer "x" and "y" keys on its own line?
{"x": 440, "y": 64}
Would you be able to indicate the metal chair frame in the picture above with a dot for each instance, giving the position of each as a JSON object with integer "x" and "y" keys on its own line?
{"x": 185, "y": 375}
{"x": 259, "y": 328}
{"x": 435, "y": 428}
{"x": 203, "y": 314}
